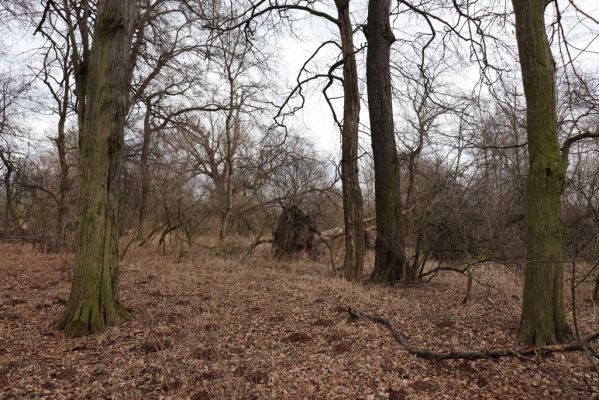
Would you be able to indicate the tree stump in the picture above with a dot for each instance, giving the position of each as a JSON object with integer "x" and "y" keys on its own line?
{"x": 293, "y": 234}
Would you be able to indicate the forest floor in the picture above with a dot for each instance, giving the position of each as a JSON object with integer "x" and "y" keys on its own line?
{"x": 209, "y": 328}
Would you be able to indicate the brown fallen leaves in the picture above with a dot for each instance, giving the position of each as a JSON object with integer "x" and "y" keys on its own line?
{"x": 214, "y": 329}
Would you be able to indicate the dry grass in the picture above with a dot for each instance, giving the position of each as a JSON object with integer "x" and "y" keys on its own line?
{"x": 210, "y": 327}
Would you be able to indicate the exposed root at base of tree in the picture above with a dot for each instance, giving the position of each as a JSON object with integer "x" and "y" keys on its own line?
{"x": 582, "y": 346}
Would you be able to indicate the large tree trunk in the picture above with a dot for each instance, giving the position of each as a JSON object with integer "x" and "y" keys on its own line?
{"x": 350, "y": 178}
{"x": 543, "y": 319}
{"x": 390, "y": 253}
{"x": 93, "y": 302}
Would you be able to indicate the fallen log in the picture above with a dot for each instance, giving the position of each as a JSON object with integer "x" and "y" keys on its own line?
{"x": 334, "y": 233}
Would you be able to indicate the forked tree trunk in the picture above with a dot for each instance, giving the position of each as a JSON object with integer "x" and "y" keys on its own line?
{"x": 350, "y": 178}
{"x": 543, "y": 318}
{"x": 93, "y": 302}
{"x": 390, "y": 252}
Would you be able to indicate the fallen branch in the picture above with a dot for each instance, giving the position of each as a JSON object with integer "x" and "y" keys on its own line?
{"x": 470, "y": 355}
{"x": 159, "y": 294}
{"x": 339, "y": 231}
{"x": 255, "y": 244}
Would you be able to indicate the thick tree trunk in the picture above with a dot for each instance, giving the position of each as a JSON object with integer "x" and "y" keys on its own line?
{"x": 350, "y": 178}
{"x": 543, "y": 319}
{"x": 93, "y": 302}
{"x": 390, "y": 253}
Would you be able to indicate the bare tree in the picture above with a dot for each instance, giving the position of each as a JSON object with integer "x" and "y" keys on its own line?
{"x": 348, "y": 126}
{"x": 543, "y": 317}
{"x": 93, "y": 302}
{"x": 390, "y": 251}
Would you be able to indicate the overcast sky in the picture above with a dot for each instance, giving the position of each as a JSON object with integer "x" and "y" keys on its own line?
{"x": 315, "y": 119}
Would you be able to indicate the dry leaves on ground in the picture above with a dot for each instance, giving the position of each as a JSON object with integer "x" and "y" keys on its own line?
{"x": 206, "y": 328}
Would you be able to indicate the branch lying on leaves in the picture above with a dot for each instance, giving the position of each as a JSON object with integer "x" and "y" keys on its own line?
{"x": 470, "y": 355}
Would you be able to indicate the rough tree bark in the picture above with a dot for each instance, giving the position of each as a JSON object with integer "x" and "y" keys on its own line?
{"x": 390, "y": 252}
{"x": 93, "y": 302}
{"x": 543, "y": 319}
{"x": 350, "y": 178}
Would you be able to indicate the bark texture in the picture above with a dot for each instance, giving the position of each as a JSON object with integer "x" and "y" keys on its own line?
{"x": 350, "y": 178}
{"x": 93, "y": 302}
{"x": 390, "y": 252}
{"x": 543, "y": 318}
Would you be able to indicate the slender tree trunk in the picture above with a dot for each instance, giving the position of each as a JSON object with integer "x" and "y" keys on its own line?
{"x": 11, "y": 220}
{"x": 10, "y": 217}
{"x": 64, "y": 185}
{"x": 390, "y": 252}
{"x": 543, "y": 318}
{"x": 350, "y": 178}
{"x": 80, "y": 55}
{"x": 144, "y": 170}
{"x": 412, "y": 268}
{"x": 231, "y": 116}
{"x": 93, "y": 302}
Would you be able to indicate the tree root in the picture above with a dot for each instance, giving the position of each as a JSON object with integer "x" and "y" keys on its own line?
{"x": 472, "y": 355}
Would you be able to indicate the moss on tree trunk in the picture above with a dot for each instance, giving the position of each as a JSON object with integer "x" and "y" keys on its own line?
{"x": 543, "y": 318}
{"x": 93, "y": 301}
